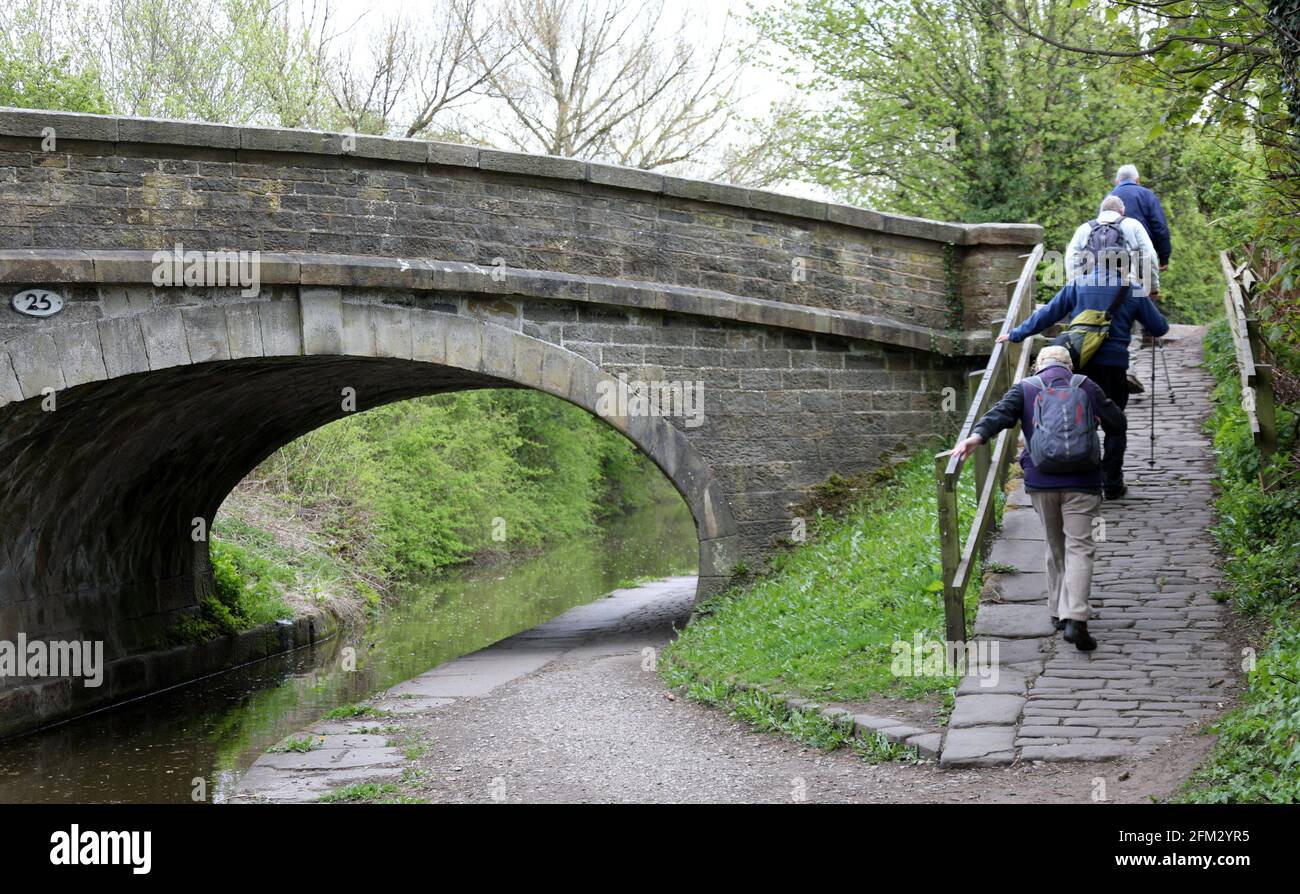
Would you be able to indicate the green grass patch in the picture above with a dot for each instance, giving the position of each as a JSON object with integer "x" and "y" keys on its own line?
{"x": 349, "y": 712}
{"x": 824, "y": 621}
{"x": 767, "y": 713}
{"x": 299, "y": 744}
{"x": 1257, "y": 757}
{"x": 360, "y": 792}
{"x": 310, "y": 571}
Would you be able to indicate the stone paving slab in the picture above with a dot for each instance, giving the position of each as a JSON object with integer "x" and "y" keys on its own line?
{"x": 979, "y": 710}
{"x": 1161, "y": 661}
{"x": 1025, "y": 555}
{"x": 1013, "y": 621}
{"x": 1022, "y": 524}
{"x": 978, "y": 746}
{"x": 1008, "y": 681}
{"x": 1022, "y": 587}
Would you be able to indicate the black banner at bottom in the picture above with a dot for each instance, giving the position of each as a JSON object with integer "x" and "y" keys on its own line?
{"x": 342, "y": 843}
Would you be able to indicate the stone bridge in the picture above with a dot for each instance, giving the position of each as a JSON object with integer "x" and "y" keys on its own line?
{"x": 823, "y": 336}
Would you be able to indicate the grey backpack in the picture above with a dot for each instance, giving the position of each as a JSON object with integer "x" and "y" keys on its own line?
{"x": 1065, "y": 427}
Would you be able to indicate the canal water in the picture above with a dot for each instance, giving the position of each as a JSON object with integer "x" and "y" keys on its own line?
{"x": 154, "y": 749}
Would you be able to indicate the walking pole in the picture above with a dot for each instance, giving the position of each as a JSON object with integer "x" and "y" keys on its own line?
{"x": 1164, "y": 361}
{"x": 1151, "y": 463}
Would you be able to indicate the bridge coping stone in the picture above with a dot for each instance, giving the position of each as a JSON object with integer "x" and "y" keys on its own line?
{"x": 30, "y": 123}
{"x": 99, "y": 266}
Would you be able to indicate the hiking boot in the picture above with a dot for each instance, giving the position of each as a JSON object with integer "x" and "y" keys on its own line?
{"x": 1058, "y": 623}
{"x": 1116, "y": 492}
{"x": 1077, "y": 632}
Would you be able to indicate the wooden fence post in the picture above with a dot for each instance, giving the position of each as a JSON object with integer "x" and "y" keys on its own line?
{"x": 954, "y": 605}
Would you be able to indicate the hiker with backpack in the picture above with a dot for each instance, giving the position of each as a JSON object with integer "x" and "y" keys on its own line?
{"x": 1143, "y": 206}
{"x": 1114, "y": 238}
{"x": 1101, "y": 308}
{"x": 1058, "y": 411}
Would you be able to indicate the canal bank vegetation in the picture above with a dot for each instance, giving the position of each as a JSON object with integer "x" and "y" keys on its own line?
{"x": 403, "y": 491}
{"x": 249, "y": 589}
{"x": 1257, "y": 756}
{"x": 823, "y": 621}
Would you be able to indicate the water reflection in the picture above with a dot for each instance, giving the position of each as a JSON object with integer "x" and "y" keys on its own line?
{"x": 164, "y": 748}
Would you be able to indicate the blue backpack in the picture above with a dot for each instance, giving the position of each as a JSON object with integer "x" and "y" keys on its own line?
{"x": 1065, "y": 437}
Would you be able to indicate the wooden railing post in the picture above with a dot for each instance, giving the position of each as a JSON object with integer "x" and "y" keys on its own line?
{"x": 954, "y": 605}
{"x": 1265, "y": 411}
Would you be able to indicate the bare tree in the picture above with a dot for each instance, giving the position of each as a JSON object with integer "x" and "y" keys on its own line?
{"x": 610, "y": 80}
{"x": 463, "y": 48}
{"x": 290, "y": 51}
{"x": 366, "y": 97}
{"x": 419, "y": 71}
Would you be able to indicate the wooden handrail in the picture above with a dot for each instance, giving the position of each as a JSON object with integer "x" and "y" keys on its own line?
{"x": 1007, "y": 365}
{"x": 1247, "y": 343}
{"x": 1021, "y": 299}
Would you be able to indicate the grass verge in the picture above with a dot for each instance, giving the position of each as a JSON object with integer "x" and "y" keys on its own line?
{"x": 351, "y": 712}
{"x": 360, "y": 792}
{"x": 1257, "y": 756}
{"x": 807, "y": 726}
{"x": 826, "y": 621}
{"x": 823, "y": 623}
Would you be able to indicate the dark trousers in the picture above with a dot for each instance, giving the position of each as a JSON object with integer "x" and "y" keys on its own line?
{"x": 1113, "y": 380}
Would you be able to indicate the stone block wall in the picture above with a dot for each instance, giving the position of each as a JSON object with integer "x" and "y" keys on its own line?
{"x": 139, "y": 184}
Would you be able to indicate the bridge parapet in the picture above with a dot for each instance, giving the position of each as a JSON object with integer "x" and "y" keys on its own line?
{"x": 103, "y": 182}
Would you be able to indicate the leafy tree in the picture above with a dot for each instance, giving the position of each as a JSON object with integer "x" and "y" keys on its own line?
{"x": 1226, "y": 63}
{"x": 956, "y": 109}
{"x": 35, "y": 73}
{"x": 943, "y": 109}
{"x": 55, "y": 84}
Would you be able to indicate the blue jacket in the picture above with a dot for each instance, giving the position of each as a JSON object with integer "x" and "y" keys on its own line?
{"x": 1142, "y": 205}
{"x": 1096, "y": 292}
{"x": 1017, "y": 405}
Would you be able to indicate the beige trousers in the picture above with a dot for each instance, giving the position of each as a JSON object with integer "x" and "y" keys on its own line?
{"x": 1067, "y": 518}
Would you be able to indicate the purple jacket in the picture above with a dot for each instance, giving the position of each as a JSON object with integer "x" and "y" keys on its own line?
{"x": 1017, "y": 405}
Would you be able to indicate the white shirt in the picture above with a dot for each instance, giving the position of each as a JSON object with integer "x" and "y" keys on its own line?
{"x": 1146, "y": 266}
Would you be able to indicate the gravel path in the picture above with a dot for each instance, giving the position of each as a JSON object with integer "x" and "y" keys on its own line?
{"x": 597, "y": 726}
{"x": 589, "y": 722}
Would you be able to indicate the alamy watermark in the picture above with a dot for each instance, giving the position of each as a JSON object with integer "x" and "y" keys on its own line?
{"x": 178, "y": 267}
{"x": 58, "y": 658}
{"x": 680, "y": 399}
{"x": 1113, "y": 267}
{"x": 938, "y": 658}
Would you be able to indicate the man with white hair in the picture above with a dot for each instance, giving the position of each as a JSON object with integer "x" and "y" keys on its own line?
{"x": 1058, "y": 412}
{"x": 1114, "y": 238}
{"x": 1141, "y": 205}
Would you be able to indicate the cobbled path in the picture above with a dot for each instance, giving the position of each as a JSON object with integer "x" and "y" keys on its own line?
{"x": 1162, "y": 662}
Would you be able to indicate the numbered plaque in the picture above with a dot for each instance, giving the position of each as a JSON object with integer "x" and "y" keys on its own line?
{"x": 37, "y": 302}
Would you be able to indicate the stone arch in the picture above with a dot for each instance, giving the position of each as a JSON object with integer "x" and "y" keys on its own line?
{"x": 99, "y": 495}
